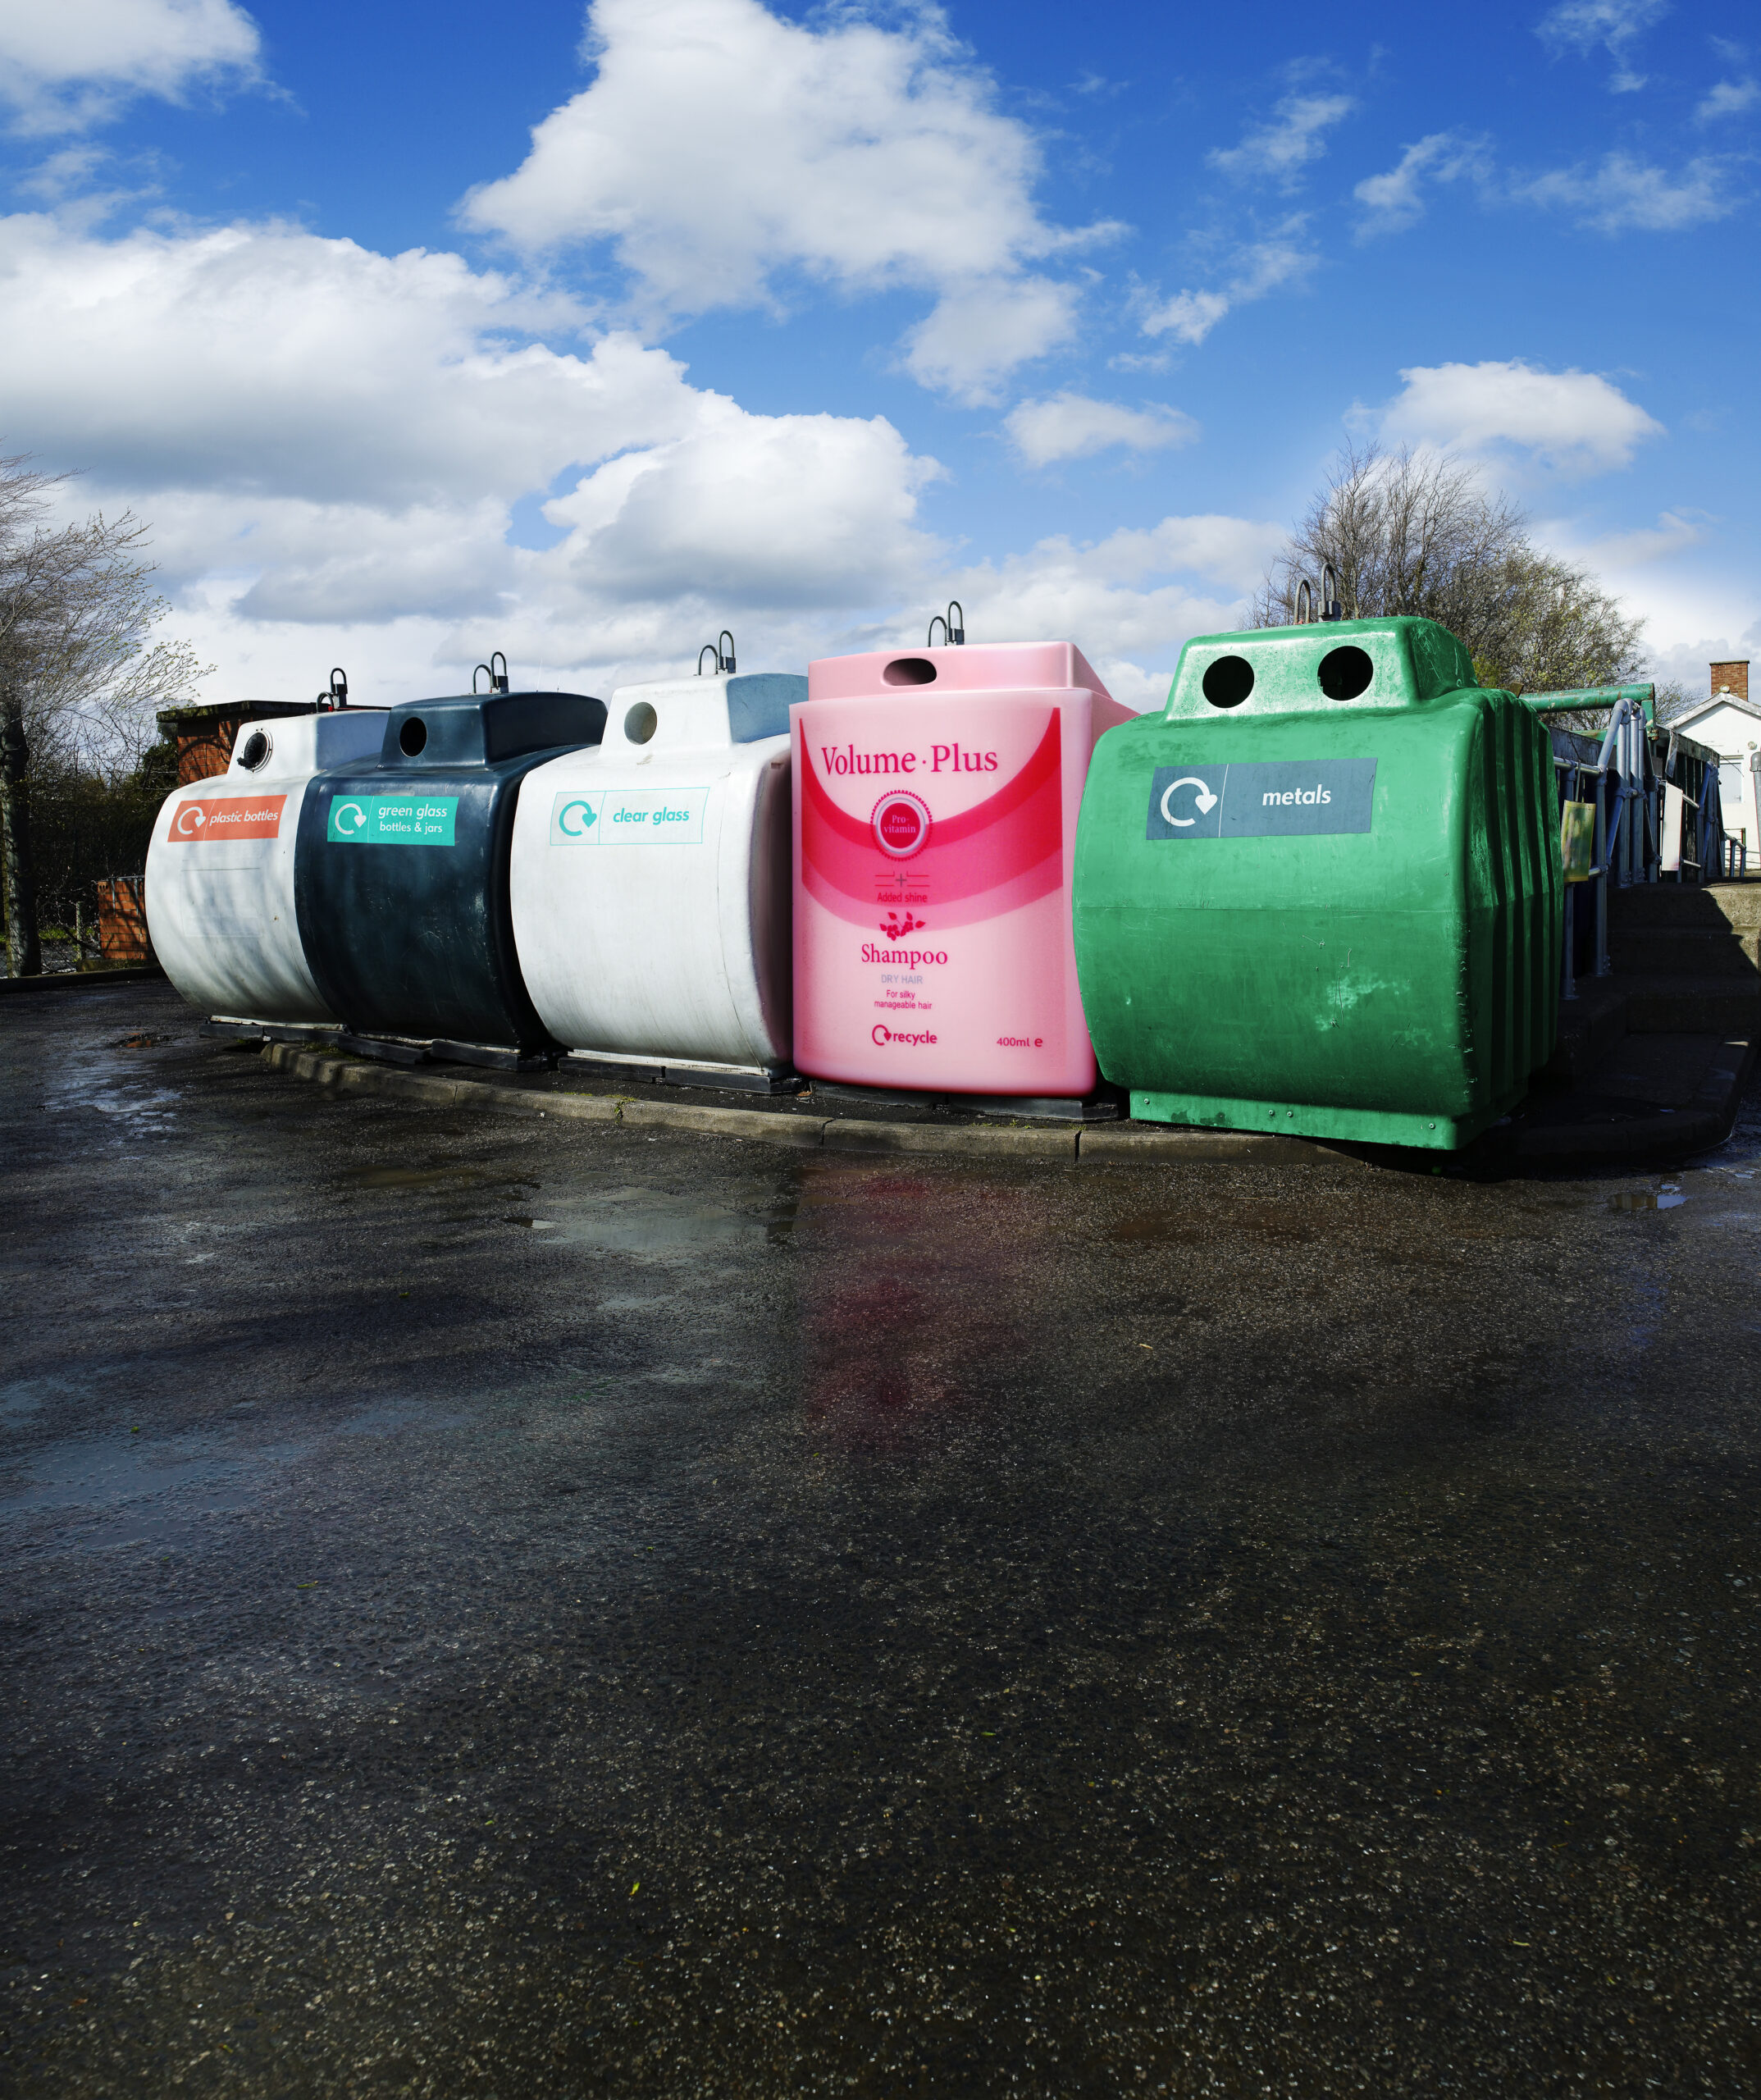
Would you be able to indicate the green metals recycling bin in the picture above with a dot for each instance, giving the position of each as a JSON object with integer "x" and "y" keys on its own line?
{"x": 1321, "y": 892}
{"x": 400, "y": 876}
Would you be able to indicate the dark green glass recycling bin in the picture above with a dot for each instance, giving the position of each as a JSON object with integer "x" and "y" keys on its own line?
{"x": 1321, "y": 893}
{"x": 400, "y": 876}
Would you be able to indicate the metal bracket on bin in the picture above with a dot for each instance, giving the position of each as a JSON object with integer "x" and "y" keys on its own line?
{"x": 335, "y": 694}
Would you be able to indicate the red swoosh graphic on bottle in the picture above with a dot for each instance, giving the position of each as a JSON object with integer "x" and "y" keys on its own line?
{"x": 1002, "y": 852}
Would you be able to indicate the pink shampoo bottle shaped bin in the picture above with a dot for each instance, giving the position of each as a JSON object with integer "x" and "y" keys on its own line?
{"x": 935, "y": 798}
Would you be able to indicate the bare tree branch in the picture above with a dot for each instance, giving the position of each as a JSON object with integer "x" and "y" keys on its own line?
{"x": 1415, "y": 533}
{"x": 79, "y": 672}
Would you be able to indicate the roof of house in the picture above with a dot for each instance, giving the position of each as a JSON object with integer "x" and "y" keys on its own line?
{"x": 1748, "y": 707}
{"x": 212, "y": 714}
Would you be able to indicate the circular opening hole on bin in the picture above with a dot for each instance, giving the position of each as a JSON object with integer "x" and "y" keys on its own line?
{"x": 1229, "y": 681}
{"x": 412, "y": 738}
{"x": 255, "y": 752}
{"x": 909, "y": 671}
{"x": 1345, "y": 673}
{"x": 639, "y": 723}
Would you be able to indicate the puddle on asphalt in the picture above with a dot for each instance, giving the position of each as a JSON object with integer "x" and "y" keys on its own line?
{"x": 147, "y": 1111}
{"x": 129, "y": 1486}
{"x": 1647, "y": 1199}
{"x": 647, "y": 1222}
{"x": 25, "y": 1396}
{"x": 434, "y": 1177}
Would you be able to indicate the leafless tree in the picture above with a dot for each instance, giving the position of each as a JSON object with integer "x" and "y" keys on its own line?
{"x": 80, "y": 670}
{"x": 1417, "y": 533}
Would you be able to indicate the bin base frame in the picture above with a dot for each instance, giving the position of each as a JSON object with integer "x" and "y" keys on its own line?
{"x": 233, "y": 1027}
{"x": 1298, "y": 1119}
{"x": 685, "y": 1071}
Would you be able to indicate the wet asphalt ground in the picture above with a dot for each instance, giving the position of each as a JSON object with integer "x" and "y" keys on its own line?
{"x": 496, "y": 1607}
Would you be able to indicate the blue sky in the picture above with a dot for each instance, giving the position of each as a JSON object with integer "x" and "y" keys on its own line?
{"x": 418, "y": 331}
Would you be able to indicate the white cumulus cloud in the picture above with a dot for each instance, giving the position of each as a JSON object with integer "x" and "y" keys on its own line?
{"x": 976, "y": 335}
{"x": 262, "y": 357}
{"x": 67, "y": 64}
{"x": 1727, "y": 98}
{"x": 1190, "y": 315}
{"x": 1129, "y": 600}
{"x": 1280, "y": 149}
{"x": 1625, "y": 195}
{"x": 1395, "y": 201}
{"x": 777, "y": 512}
{"x": 1067, "y": 426}
{"x": 1614, "y": 26}
{"x": 332, "y": 447}
{"x": 721, "y": 148}
{"x": 1567, "y": 422}
{"x": 330, "y": 442}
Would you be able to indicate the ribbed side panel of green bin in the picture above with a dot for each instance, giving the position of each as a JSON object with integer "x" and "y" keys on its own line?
{"x": 1321, "y": 909}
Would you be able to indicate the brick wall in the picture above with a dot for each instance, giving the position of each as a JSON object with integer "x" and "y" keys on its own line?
{"x": 122, "y": 921}
{"x": 1732, "y": 678}
{"x": 203, "y": 752}
{"x": 203, "y": 735}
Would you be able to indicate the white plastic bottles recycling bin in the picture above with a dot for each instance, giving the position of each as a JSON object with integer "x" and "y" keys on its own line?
{"x": 219, "y": 869}
{"x": 650, "y": 876}
{"x": 935, "y": 793}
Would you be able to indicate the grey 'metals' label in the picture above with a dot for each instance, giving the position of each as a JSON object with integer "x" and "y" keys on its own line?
{"x": 1291, "y": 798}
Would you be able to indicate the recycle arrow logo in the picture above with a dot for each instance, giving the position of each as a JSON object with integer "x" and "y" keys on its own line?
{"x": 1206, "y": 801}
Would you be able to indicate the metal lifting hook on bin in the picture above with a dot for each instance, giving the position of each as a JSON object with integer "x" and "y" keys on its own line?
{"x": 722, "y": 661}
{"x": 954, "y": 635}
{"x": 335, "y": 694}
{"x": 1330, "y": 607}
{"x": 498, "y": 680}
{"x": 1305, "y": 602}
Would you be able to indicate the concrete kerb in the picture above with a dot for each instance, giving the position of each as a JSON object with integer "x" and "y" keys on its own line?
{"x": 340, "y": 1074}
{"x": 1650, "y": 1139}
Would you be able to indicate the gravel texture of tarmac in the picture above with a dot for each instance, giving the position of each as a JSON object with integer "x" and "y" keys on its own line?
{"x": 498, "y": 1606}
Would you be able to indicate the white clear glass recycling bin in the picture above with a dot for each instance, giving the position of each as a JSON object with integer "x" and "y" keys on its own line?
{"x": 650, "y": 877}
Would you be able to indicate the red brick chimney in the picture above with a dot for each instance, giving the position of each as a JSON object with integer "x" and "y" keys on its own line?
{"x": 1732, "y": 678}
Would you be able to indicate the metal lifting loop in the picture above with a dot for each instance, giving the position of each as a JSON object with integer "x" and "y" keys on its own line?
{"x": 1330, "y": 607}
{"x": 709, "y": 648}
{"x": 727, "y": 662}
{"x": 1305, "y": 602}
{"x": 498, "y": 679}
{"x": 956, "y": 628}
{"x": 487, "y": 673}
{"x": 335, "y": 694}
{"x": 929, "y": 639}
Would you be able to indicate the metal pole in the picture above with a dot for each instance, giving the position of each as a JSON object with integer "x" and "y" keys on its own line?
{"x": 1634, "y": 796}
{"x": 1602, "y": 873}
{"x": 1568, "y": 776}
{"x": 1568, "y": 988}
{"x": 1755, "y": 782}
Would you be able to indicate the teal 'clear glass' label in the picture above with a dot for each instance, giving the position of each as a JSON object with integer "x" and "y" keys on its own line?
{"x": 623, "y": 816}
